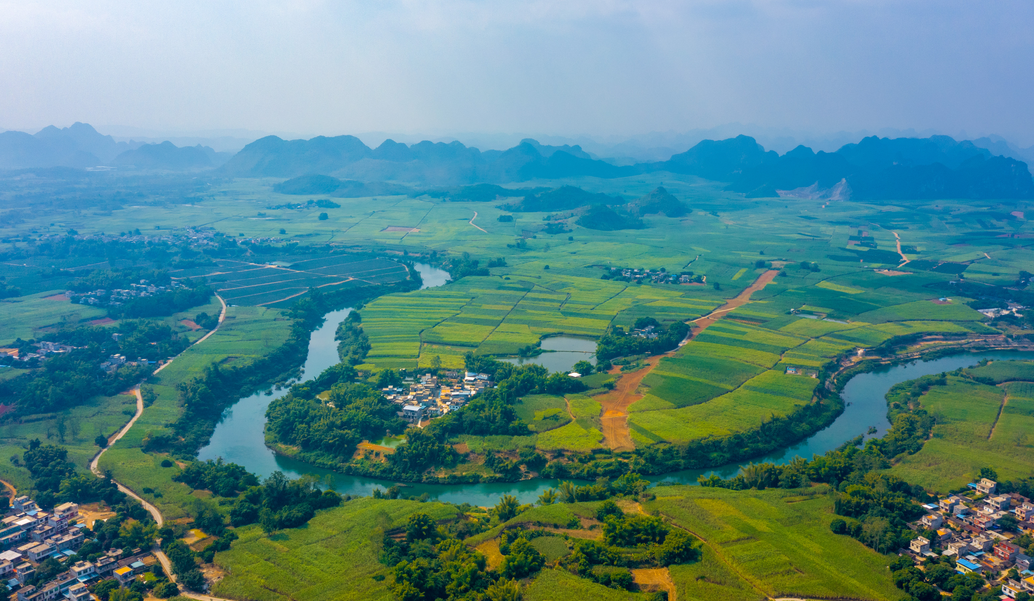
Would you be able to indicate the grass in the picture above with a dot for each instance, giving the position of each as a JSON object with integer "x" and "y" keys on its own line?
{"x": 770, "y": 544}
{"x": 551, "y": 547}
{"x": 543, "y": 412}
{"x": 962, "y": 441}
{"x": 334, "y": 556}
{"x": 30, "y": 316}
{"x": 553, "y": 584}
{"x": 82, "y": 424}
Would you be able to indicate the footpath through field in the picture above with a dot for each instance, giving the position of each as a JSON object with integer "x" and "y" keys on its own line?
{"x": 157, "y": 515}
{"x": 615, "y": 404}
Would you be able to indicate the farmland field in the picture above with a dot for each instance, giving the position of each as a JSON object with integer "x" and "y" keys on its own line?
{"x": 770, "y": 544}
{"x": 978, "y": 425}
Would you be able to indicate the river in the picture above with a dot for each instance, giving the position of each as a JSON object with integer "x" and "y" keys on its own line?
{"x": 240, "y": 435}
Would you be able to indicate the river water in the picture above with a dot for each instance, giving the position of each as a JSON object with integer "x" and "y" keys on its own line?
{"x": 239, "y": 437}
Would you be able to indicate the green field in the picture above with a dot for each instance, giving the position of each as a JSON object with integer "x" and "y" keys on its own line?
{"x": 769, "y": 544}
{"x": 333, "y": 557}
{"x": 978, "y": 425}
{"x": 246, "y": 334}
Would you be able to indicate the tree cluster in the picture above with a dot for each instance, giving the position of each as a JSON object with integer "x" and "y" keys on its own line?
{"x": 618, "y": 343}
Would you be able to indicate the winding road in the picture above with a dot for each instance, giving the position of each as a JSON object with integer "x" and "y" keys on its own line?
{"x": 615, "y": 404}
{"x": 477, "y": 226}
{"x": 157, "y": 515}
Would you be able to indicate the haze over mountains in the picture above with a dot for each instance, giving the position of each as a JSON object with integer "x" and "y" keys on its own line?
{"x": 871, "y": 169}
{"x": 81, "y": 146}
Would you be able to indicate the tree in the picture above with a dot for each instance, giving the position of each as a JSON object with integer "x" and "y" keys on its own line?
{"x": 838, "y": 526}
{"x": 324, "y": 217}
{"x": 166, "y": 589}
{"x": 989, "y": 473}
{"x": 507, "y": 507}
{"x": 436, "y": 362}
{"x": 101, "y": 441}
{"x": 523, "y": 560}
{"x": 193, "y": 580}
{"x": 678, "y": 548}
{"x": 548, "y": 497}
{"x": 420, "y": 527}
{"x": 503, "y": 590}
{"x": 583, "y": 367}
{"x": 924, "y": 592}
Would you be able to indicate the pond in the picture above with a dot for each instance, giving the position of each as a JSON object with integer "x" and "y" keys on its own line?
{"x": 560, "y": 353}
{"x": 240, "y": 436}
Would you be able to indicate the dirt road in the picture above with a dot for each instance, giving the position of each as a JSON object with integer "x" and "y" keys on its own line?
{"x": 477, "y": 226}
{"x": 157, "y": 515}
{"x": 615, "y": 404}
{"x": 904, "y": 260}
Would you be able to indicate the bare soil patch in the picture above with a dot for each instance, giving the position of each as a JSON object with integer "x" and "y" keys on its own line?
{"x": 400, "y": 228}
{"x": 102, "y": 321}
{"x": 92, "y": 512}
{"x": 57, "y": 297}
{"x": 190, "y": 324}
{"x": 653, "y": 580}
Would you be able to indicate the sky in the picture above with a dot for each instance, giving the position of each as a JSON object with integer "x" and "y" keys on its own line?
{"x": 568, "y": 68}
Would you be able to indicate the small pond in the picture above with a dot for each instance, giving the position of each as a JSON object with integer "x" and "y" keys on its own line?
{"x": 560, "y": 353}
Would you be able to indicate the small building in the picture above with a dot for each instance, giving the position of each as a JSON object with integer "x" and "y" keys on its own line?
{"x": 413, "y": 413}
{"x": 1000, "y": 502}
{"x": 84, "y": 571}
{"x": 986, "y": 486}
{"x": 40, "y": 552}
{"x": 932, "y": 521}
{"x": 1006, "y": 552}
{"x": 78, "y": 592}
{"x": 965, "y": 566}
{"x": 920, "y": 545}
{"x": 124, "y": 575}
{"x": 949, "y": 504}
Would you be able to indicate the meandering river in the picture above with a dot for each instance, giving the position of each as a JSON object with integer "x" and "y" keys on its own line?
{"x": 240, "y": 435}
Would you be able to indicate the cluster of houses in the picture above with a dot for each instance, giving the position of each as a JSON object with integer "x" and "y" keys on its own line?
{"x": 656, "y": 276}
{"x": 967, "y": 529}
{"x": 43, "y": 350}
{"x": 30, "y": 536}
{"x": 119, "y": 296}
{"x": 1012, "y": 309}
{"x": 433, "y": 396}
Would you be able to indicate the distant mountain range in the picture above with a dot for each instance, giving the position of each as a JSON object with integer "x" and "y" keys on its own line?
{"x": 82, "y": 147}
{"x": 872, "y": 169}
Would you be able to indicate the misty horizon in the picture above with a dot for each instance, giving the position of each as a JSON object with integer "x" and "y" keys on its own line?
{"x": 458, "y": 70}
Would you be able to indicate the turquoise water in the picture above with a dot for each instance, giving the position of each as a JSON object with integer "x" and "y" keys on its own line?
{"x": 239, "y": 437}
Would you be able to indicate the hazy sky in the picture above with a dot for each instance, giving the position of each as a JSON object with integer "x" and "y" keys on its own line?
{"x": 597, "y": 67}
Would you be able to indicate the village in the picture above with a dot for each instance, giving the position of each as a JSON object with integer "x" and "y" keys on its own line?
{"x": 119, "y": 296}
{"x": 655, "y": 276}
{"x": 433, "y": 396}
{"x": 977, "y": 531}
{"x": 30, "y": 537}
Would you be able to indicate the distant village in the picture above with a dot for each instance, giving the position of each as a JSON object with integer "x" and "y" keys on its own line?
{"x": 30, "y": 536}
{"x": 44, "y": 350}
{"x": 119, "y": 296}
{"x": 655, "y": 276}
{"x": 968, "y": 529}
{"x": 434, "y": 396}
